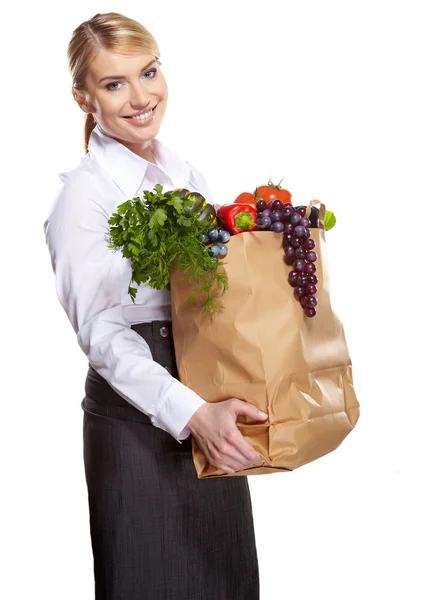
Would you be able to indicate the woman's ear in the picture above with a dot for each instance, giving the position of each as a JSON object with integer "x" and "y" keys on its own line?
{"x": 81, "y": 101}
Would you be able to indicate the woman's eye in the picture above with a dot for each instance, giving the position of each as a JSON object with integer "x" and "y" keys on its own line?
{"x": 151, "y": 71}
{"x": 111, "y": 89}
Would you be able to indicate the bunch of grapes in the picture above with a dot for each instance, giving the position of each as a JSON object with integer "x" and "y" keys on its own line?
{"x": 215, "y": 240}
{"x": 297, "y": 244}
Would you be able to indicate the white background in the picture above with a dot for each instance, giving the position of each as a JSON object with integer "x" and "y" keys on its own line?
{"x": 345, "y": 101}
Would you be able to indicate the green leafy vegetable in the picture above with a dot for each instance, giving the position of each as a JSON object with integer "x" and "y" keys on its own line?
{"x": 159, "y": 233}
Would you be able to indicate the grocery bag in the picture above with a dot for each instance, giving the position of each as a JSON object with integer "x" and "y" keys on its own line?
{"x": 262, "y": 348}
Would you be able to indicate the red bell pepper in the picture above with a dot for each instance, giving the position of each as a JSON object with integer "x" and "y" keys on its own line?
{"x": 237, "y": 218}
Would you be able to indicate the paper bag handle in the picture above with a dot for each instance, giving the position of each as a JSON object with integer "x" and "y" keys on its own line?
{"x": 321, "y": 212}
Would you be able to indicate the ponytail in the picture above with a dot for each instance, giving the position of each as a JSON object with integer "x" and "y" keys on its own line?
{"x": 89, "y": 125}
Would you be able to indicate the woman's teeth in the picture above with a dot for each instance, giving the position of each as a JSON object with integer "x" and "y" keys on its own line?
{"x": 143, "y": 116}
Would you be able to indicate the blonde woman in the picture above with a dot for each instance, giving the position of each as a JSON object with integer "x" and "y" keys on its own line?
{"x": 157, "y": 531}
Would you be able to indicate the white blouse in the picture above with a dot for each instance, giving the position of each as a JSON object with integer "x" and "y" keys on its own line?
{"x": 92, "y": 280}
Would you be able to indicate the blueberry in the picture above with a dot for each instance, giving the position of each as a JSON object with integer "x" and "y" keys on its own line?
{"x": 203, "y": 238}
{"x": 213, "y": 234}
{"x": 224, "y": 236}
{"x": 214, "y": 250}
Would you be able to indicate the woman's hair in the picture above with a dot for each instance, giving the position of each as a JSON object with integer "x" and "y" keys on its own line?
{"x": 113, "y": 32}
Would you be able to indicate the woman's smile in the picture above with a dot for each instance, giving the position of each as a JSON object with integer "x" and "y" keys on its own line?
{"x": 144, "y": 119}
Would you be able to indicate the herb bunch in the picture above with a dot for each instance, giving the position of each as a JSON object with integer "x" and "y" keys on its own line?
{"x": 159, "y": 233}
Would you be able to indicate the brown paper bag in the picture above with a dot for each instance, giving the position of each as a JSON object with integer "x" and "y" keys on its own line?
{"x": 263, "y": 349}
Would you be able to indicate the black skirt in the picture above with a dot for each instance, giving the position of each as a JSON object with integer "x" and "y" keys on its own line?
{"x": 157, "y": 531}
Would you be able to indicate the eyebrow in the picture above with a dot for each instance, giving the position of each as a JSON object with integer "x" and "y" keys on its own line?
{"x": 123, "y": 76}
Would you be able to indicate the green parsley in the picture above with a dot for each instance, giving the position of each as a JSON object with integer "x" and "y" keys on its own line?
{"x": 159, "y": 233}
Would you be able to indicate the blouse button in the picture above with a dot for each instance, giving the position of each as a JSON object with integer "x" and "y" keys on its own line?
{"x": 164, "y": 332}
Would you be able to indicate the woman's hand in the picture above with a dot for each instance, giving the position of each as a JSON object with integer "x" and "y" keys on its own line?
{"x": 214, "y": 428}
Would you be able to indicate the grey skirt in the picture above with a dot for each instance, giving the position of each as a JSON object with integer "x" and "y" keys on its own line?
{"x": 157, "y": 531}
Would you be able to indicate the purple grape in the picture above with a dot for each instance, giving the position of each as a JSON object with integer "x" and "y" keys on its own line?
{"x": 295, "y": 241}
{"x": 311, "y": 256}
{"x": 307, "y": 234}
{"x": 309, "y": 268}
{"x": 292, "y": 278}
{"x": 309, "y": 311}
{"x": 267, "y": 212}
{"x": 304, "y": 222}
{"x": 311, "y": 301}
{"x": 312, "y": 279}
{"x": 309, "y": 244}
{"x": 288, "y": 227}
{"x": 287, "y": 211}
{"x": 294, "y": 219}
{"x": 277, "y": 204}
{"x": 299, "y": 231}
{"x": 286, "y": 239}
{"x": 301, "y": 210}
{"x": 303, "y": 280}
{"x": 310, "y": 289}
{"x": 300, "y": 253}
{"x": 265, "y": 222}
{"x": 261, "y": 205}
{"x": 288, "y": 260}
{"x": 299, "y": 265}
{"x": 289, "y": 251}
{"x": 299, "y": 291}
{"x": 277, "y": 226}
{"x": 288, "y": 204}
{"x": 276, "y": 215}
{"x": 303, "y": 301}
{"x": 270, "y": 204}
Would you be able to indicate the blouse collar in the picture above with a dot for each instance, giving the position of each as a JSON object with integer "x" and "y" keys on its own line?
{"x": 128, "y": 170}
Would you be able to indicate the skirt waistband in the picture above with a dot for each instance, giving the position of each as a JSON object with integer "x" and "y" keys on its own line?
{"x": 154, "y": 330}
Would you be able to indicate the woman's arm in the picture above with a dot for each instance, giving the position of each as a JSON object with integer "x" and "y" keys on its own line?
{"x": 89, "y": 281}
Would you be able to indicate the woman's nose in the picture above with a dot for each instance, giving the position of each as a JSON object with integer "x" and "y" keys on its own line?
{"x": 139, "y": 98}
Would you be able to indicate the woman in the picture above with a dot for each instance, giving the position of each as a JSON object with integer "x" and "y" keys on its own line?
{"x": 157, "y": 531}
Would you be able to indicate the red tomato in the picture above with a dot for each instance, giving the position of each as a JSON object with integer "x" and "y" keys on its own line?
{"x": 272, "y": 192}
{"x": 267, "y": 193}
{"x": 246, "y": 198}
{"x": 284, "y": 195}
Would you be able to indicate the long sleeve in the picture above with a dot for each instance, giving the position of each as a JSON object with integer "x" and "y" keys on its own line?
{"x": 90, "y": 279}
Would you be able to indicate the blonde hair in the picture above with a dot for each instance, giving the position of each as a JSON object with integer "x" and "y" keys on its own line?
{"x": 113, "y": 32}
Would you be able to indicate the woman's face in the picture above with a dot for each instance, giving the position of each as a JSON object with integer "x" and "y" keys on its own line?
{"x": 119, "y": 87}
